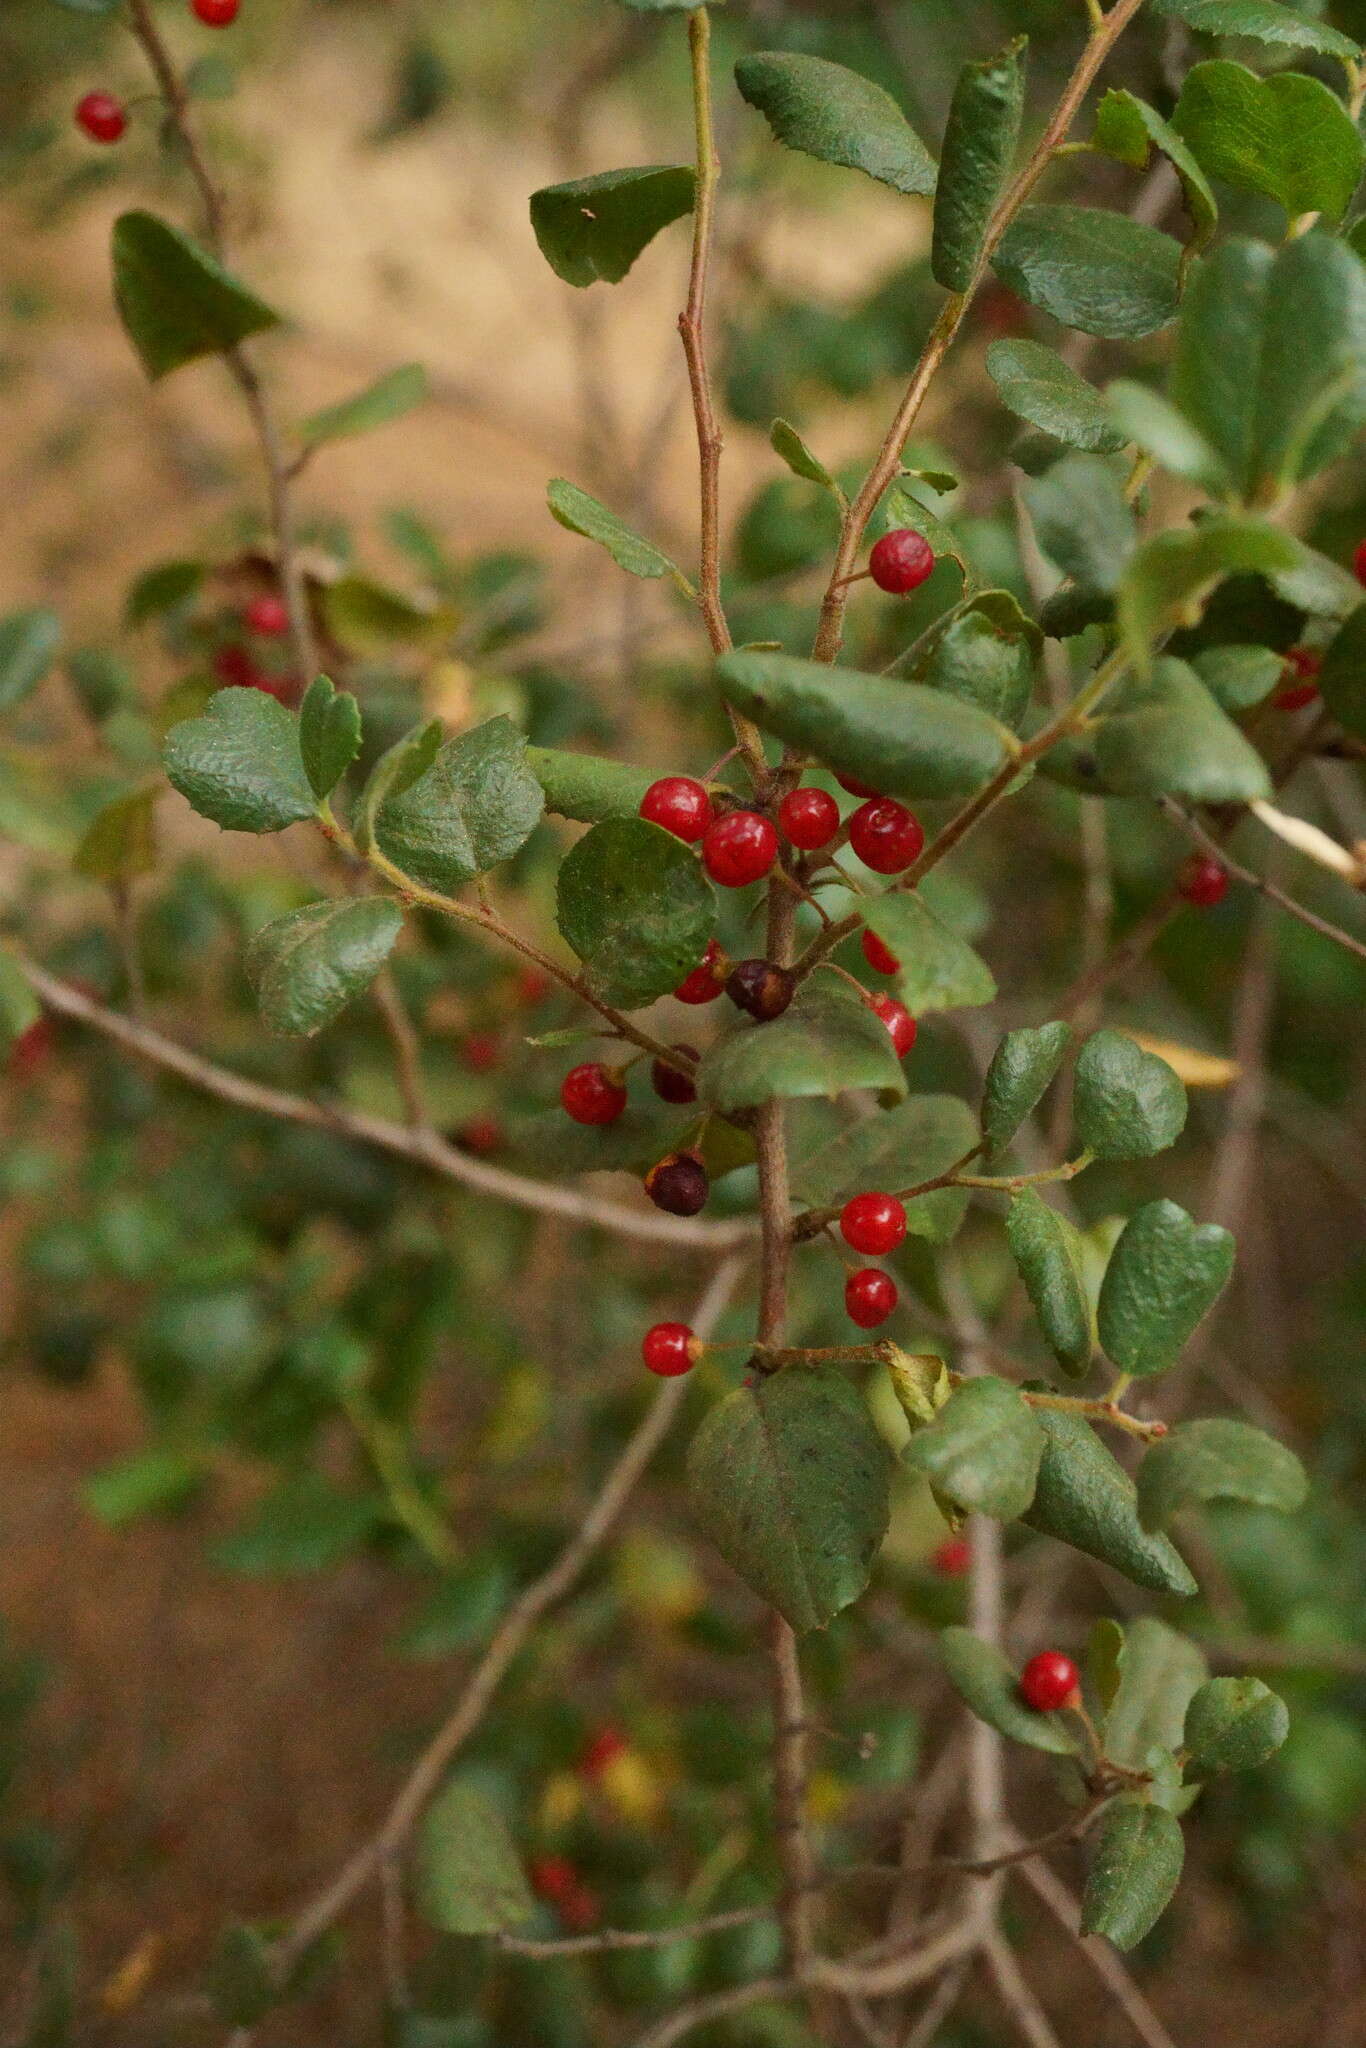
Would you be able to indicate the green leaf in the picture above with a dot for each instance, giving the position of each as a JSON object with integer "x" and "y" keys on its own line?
{"x": 1048, "y": 1251}
{"x": 161, "y": 589}
{"x": 1317, "y": 584}
{"x": 1159, "y": 1673}
{"x": 1128, "y": 1103}
{"x": 475, "y": 806}
{"x": 306, "y": 967}
{"x": 583, "y": 514}
{"x": 120, "y": 841}
{"x": 637, "y": 909}
{"x": 1342, "y": 679}
{"x": 984, "y": 662}
{"x": 1137, "y": 1868}
{"x": 240, "y": 764}
{"x": 587, "y": 786}
{"x": 1036, "y": 383}
{"x": 1270, "y": 361}
{"x": 1234, "y": 1724}
{"x": 391, "y": 396}
{"x": 1104, "y": 1651}
{"x": 939, "y": 971}
{"x": 1128, "y": 128}
{"x": 988, "y": 1683}
{"x": 175, "y": 300}
{"x": 827, "y": 1042}
{"x": 789, "y": 1479}
{"x": 788, "y": 444}
{"x": 1085, "y": 1498}
{"x": 1166, "y": 736}
{"x": 902, "y": 738}
{"x": 102, "y": 680}
{"x": 593, "y": 229}
{"x": 829, "y": 112}
{"x": 1083, "y": 520}
{"x": 329, "y": 734}
{"x": 1091, "y": 269}
{"x": 305, "y": 1525}
{"x": 468, "y": 1876}
{"x": 1021, "y": 1068}
{"x": 19, "y": 1007}
{"x": 913, "y": 1141}
{"x": 150, "y": 1482}
{"x": 1218, "y": 1459}
{"x": 241, "y": 1981}
{"x": 28, "y": 642}
{"x": 1287, "y": 136}
{"x": 1153, "y": 424}
{"x": 396, "y": 771}
{"x": 1239, "y": 677}
{"x": 982, "y": 1450}
{"x": 1171, "y": 575}
{"x": 979, "y": 149}
{"x": 1264, "y": 20}
{"x": 1164, "y": 1276}
{"x": 369, "y": 619}
{"x": 904, "y": 506}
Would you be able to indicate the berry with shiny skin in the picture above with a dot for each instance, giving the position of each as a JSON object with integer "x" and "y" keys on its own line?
{"x": 1049, "y": 1681}
{"x": 880, "y": 958}
{"x": 901, "y": 561}
{"x": 886, "y": 836}
{"x": 216, "y": 13}
{"x": 671, "y": 1084}
{"x": 680, "y": 805}
{"x": 1299, "y": 679}
{"x": 760, "y": 989}
{"x": 707, "y": 979}
{"x": 873, "y": 1224}
{"x": 901, "y": 1025}
{"x": 678, "y": 1184}
{"x": 739, "y": 849}
{"x": 1203, "y": 881}
{"x": 592, "y": 1095}
{"x": 670, "y": 1349}
{"x": 870, "y": 1295}
{"x": 268, "y": 616}
{"x": 952, "y": 1558}
{"x": 1359, "y": 562}
{"x": 100, "y": 116}
{"x": 856, "y": 788}
{"x": 810, "y": 818}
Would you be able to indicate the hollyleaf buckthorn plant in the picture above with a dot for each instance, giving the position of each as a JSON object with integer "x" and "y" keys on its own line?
{"x": 1143, "y": 261}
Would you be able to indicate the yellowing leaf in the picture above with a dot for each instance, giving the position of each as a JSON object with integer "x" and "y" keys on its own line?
{"x": 1197, "y": 1069}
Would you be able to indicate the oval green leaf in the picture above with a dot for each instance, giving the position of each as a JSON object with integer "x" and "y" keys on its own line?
{"x": 306, "y": 967}
{"x": 636, "y": 908}
{"x": 827, "y": 111}
{"x": 1099, "y": 272}
{"x": 1165, "y": 1274}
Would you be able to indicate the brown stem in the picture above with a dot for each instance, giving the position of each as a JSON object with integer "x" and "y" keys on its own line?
{"x": 789, "y": 1795}
{"x": 1271, "y": 890}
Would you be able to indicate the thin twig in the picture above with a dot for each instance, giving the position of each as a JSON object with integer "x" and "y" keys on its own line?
{"x": 1271, "y": 890}
{"x": 421, "y": 1147}
{"x": 507, "y": 1644}
{"x": 1018, "y": 1999}
{"x": 702, "y": 2011}
{"x": 610, "y": 1940}
{"x": 789, "y": 1794}
{"x": 1098, "y": 1953}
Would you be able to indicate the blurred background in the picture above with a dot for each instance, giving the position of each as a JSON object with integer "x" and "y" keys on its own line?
{"x": 235, "y": 1592}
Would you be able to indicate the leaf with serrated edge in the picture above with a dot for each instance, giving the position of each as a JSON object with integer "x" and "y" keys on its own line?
{"x": 307, "y": 966}
{"x": 588, "y": 787}
{"x": 939, "y": 970}
{"x": 1287, "y": 136}
{"x": 329, "y": 734}
{"x": 634, "y": 904}
{"x": 476, "y": 805}
{"x": 830, "y": 112}
{"x": 240, "y": 765}
{"x": 1093, "y": 270}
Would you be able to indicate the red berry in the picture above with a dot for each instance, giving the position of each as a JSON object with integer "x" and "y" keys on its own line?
{"x": 901, "y": 561}
{"x": 480, "y": 1135}
{"x": 678, "y": 1184}
{"x": 869, "y": 1297}
{"x": 880, "y": 958}
{"x": 810, "y": 818}
{"x": 886, "y": 836}
{"x": 31, "y": 1049}
{"x": 707, "y": 980}
{"x": 604, "y": 1747}
{"x": 761, "y": 989}
{"x": 481, "y": 1051}
{"x": 1049, "y": 1681}
{"x": 531, "y": 987}
{"x": 679, "y": 804}
{"x": 739, "y": 848}
{"x": 215, "y": 13}
{"x": 580, "y": 1909}
{"x": 1203, "y": 881}
{"x": 234, "y": 666}
{"x": 552, "y": 1877}
{"x": 856, "y": 788}
{"x": 100, "y": 116}
{"x": 873, "y": 1224}
{"x": 1359, "y": 562}
{"x": 671, "y": 1084}
{"x": 1299, "y": 684}
{"x": 670, "y": 1349}
{"x": 591, "y": 1095}
{"x": 952, "y": 1558}
{"x": 899, "y": 1021}
{"x": 267, "y": 615}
